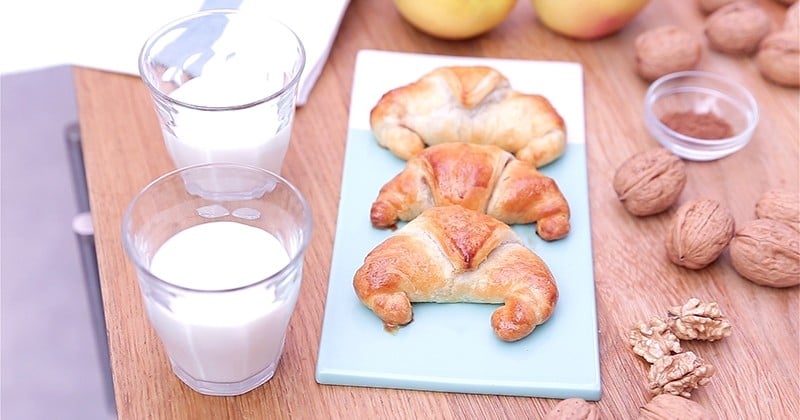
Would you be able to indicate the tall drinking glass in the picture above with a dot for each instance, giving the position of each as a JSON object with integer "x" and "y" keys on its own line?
{"x": 224, "y": 85}
{"x": 219, "y": 270}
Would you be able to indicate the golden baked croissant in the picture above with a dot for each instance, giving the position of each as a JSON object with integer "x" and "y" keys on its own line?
{"x": 453, "y": 254}
{"x": 480, "y": 177}
{"x": 468, "y": 105}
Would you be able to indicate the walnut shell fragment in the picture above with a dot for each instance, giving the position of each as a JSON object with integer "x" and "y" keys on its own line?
{"x": 650, "y": 182}
{"x": 737, "y": 28}
{"x": 781, "y": 205}
{"x": 671, "y": 407}
{"x": 573, "y": 409}
{"x": 778, "y": 58}
{"x": 695, "y": 320}
{"x": 679, "y": 374}
{"x": 653, "y": 339}
{"x": 664, "y": 50}
{"x": 767, "y": 252}
{"x": 700, "y": 231}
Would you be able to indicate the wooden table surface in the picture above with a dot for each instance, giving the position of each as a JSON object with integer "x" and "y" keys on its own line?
{"x": 757, "y": 367}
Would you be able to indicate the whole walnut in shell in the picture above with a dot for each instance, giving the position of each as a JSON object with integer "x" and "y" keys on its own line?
{"x": 671, "y": 407}
{"x": 737, "y": 28}
{"x": 767, "y": 252}
{"x": 700, "y": 231}
{"x": 650, "y": 182}
{"x": 573, "y": 409}
{"x": 781, "y": 205}
{"x": 664, "y": 50}
{"x": 778, "y": 58}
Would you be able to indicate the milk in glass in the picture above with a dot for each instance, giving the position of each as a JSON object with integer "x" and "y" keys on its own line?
{"x": 224, "y": 337}
{"x": 256, "y": 135}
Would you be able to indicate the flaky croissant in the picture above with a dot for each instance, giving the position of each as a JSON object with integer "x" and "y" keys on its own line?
{"x": 453, "y": 254}
{"x": 468, "y": 105}
{"x": 480, "y": 177}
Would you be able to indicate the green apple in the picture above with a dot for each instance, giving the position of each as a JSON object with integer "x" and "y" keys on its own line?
{"x": 587, "y": 19}
{"x": 454, "y": 19}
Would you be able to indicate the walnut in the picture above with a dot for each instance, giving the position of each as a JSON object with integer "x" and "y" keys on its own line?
{"x": 653, "y": 340}
{"x": 679, "y": 374}
{"x": 649, "y": 182}
{"x": 664, "y": 50}
{"x": 791, "y": 20}
{"x": 700, "y": 231}
{"x": 780, "y": 205}
{"x": 778, "y": 58}
{"x": 709, "y": 6}
{"x": 695, "y": 320}
{"x": 573, "y": 409}
{"x": 737, "y": 28}
{"x": 670, "y": 407}
{"x": 767, "y": 252}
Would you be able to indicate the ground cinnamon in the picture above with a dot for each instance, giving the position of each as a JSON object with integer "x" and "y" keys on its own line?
{"x": 706, "y": 126}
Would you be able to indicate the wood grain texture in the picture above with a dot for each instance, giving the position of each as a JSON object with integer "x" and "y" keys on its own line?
{"x": 757, "y": 367}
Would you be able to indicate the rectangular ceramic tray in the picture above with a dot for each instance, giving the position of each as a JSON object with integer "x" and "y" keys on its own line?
{"x": 452, "y": 347}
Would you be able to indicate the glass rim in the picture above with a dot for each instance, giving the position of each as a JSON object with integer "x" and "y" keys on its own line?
{"x": 158, "y": 93}
{"x": 137, "y": 260}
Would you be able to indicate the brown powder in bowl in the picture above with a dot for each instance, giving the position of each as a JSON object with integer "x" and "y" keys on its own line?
{"x": 707, "y": 126}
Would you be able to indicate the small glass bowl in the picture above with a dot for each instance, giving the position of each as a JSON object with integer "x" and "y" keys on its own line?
{"x": 700, "y": 92}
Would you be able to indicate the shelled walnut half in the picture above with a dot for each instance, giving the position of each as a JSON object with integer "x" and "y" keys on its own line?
{"x": 696, "y": 320}
{"x": 653, "y": 339}
{"x": 679, "y": 374}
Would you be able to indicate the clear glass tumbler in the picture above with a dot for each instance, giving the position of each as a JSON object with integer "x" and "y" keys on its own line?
{"x": 224, "y": 85}
{"x": 219, "y": 270}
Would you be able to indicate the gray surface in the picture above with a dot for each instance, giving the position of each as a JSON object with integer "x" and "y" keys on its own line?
{"x": 50, "y": 365}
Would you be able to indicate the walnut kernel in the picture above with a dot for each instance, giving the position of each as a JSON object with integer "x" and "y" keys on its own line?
{"x": 573, "y": 409}
{"x": 668, "y": 407}
{"x": 679, "y": 374}
{"x": 737, "y": 28}
{"x": 700, "y": 231}
{"x": 664, "y": 50}
{"x": 780, "y": 205}
{"x": 695, "y": 320}
{"x": 653, "y": 339}
{"x": 649, "y": 182}
{"x": 778, "y": 58}
{"x": 767, "y": 252}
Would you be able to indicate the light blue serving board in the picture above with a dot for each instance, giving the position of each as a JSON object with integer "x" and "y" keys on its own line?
{"x": 452, "y": 347}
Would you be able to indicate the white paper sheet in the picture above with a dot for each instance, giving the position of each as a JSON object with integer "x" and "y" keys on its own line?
{"x": 108, "y": 34}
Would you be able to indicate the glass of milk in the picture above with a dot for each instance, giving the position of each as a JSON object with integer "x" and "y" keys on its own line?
{"x": 219, "y": 271}
{"x": 224, "y": 85}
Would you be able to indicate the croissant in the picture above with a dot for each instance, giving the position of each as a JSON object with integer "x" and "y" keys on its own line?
{"x": 480, "y": 177}
{"x": 453, "y": 254}
{"x": 468, "y": 105}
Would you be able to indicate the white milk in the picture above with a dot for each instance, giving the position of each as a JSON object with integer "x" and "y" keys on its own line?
{"x": 251, "y": 136}
{"x": 222, "y": 337}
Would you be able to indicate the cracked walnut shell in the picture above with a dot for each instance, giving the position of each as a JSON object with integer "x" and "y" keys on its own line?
{"x": 666, "y": 49}
{"x": 700, "y": 231}
{"x": 767, "y": 252}
{"x": 573, "y": 409}
{"x": 737, "y": 28}
{"x": 653, "y": 339}
{"x": 670, "y": 407}
{"x": 695, "y": 320}
{"x": 679, "y": 374}
{"x": 778, "y": 58}
{"x": 650, "y": 182}
{"x": 780, "y": 205}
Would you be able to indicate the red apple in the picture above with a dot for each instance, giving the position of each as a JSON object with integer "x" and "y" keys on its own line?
{"x": 587, "y": 19}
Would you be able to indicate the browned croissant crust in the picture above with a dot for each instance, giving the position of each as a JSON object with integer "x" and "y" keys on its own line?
{"x": 480, "y": 177}
{"x": 453, "y": 254}
{"x": 468, "y": 105}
